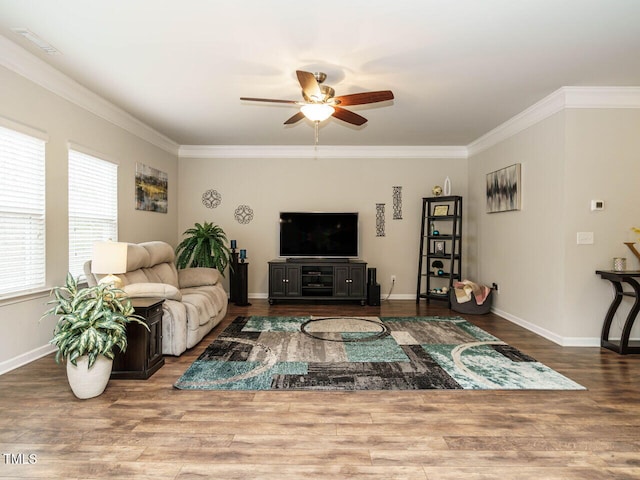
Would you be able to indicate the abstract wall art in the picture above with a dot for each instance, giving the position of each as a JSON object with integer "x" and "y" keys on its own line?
{"x": 504, "y": 189}
{"x": 151, "y": 189}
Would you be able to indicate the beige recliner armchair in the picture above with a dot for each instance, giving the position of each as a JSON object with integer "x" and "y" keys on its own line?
{"x": 195, "y": 300}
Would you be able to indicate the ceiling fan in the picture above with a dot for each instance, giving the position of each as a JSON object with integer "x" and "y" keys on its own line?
{"x": 320, "y": 101}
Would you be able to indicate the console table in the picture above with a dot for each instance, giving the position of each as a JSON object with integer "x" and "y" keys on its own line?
{"x": 617, "y": 279}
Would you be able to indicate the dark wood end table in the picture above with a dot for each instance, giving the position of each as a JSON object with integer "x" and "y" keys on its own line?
{"x": 143, "y": 356}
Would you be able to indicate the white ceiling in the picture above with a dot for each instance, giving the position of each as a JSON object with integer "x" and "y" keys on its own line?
{"x": 458, "y": 68}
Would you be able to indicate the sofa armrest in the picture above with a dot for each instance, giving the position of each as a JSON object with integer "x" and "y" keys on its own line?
{"x": 197, "y": 277}
{"x": 156, "y": 290}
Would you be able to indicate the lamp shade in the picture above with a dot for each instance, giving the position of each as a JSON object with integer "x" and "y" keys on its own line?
{"x": 109, "y": 257}
{"x": 317, "y": 112}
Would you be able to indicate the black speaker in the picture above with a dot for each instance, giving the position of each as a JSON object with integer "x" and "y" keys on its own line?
{"x": 371, "y": 276}
{"x": 373, "y": 294}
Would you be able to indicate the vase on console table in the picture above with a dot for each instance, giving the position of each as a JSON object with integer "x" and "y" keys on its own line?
{"x": 633, "y": 249}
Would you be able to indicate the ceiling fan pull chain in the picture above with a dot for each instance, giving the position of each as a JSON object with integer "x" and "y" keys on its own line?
{"x": 316, "y": 123}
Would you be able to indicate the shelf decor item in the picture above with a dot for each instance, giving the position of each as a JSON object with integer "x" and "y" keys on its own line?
{"x": 619, "y": 264}
{"x": 440, "y": 210}
{"x": 447, "y": 186}
{"x": 439, "y": 247}
{"x": 632, "y": 246}
{"x": 92, "y": 322}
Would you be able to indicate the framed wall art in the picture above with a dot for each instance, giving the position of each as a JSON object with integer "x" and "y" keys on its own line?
{"x": 151, "y": 189}
{"x": 504, "y": 189}
{"x": 440, "y": 210}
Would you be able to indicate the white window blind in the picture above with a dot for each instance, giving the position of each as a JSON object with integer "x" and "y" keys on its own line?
{"x": 93, "y": 206}
{"x": 22, "y": 212}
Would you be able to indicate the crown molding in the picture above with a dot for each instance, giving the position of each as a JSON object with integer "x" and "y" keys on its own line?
{"x": 563, "y": 98}
{"x": 602, "y": 97}
{"x": 320, "y": 151}
{"x": 24, "y": 63}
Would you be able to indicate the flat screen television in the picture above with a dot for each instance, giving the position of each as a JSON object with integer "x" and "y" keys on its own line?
{"x": 319, "y": 234}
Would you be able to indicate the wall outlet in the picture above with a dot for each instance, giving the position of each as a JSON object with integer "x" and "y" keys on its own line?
{"x": 393, "y": 279}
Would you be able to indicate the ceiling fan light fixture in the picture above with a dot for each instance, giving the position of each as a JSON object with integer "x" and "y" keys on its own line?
{"x": 317, "y": 112}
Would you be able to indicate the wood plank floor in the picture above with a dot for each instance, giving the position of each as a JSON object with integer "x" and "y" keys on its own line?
{"x": 148, "y": 430}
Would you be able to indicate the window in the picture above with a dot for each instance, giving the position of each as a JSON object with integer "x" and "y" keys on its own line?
{"x": 22, "y": 212}
{"x": 93, "y": 206}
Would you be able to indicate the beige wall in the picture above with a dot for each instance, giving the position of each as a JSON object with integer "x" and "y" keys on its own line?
{"x": 269, "y": 186}
{"x": 26, "y": 103}
{"x": 547, "y": 281}
{"x": 602, "y": 162}
{"x": 521, "y": 251}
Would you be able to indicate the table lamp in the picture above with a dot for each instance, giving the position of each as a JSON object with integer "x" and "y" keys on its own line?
{"x": 109, "y": 258}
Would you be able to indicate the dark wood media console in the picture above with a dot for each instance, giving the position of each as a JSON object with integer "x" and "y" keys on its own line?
{"x": 313, "y": 280}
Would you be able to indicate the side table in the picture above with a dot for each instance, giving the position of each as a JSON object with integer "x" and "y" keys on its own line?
{"x": 617, "y": 279}
{"x": 143, "y": 356}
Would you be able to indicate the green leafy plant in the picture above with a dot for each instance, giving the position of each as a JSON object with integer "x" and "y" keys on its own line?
{"x": 205, "y": 246}
{"x": 92, "y": 320}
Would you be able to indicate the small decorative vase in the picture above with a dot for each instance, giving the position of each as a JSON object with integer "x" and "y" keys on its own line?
{"x": 89, "y": 382}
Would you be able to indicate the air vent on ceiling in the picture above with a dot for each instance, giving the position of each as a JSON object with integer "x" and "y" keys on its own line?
{"x": 37, "y": 41}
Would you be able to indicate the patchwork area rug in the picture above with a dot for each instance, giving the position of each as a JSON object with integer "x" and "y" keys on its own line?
{"x": 364, "y": 353}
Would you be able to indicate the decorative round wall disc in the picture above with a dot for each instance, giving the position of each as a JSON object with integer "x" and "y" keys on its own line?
{"x": 244, "y": 214}
{"x": 211, "y": 198}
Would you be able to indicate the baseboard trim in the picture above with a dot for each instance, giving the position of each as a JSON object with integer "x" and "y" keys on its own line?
{"x": 25, "y": 358}
{"x": 549, "y": 335}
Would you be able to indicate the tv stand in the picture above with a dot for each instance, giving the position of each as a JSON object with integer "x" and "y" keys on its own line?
{"x": 313, "y": 279}
{"x": 317, "y": 260}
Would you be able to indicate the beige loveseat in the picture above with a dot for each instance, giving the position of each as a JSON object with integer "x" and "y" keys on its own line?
{"x": 195, "y": 300}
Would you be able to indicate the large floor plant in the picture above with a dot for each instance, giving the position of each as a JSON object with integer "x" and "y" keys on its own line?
{"x": 92, "y": 323}
{"x": 204, "y": 246}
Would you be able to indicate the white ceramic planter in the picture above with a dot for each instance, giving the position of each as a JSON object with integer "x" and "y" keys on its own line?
{"x": 89, "y": 382}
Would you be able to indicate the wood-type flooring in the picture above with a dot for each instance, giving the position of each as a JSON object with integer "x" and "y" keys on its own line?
{"x": 146, "y": 429}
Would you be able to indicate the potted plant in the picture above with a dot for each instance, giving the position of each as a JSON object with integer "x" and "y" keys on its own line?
{"x": 205, "y": 246}
{"x": 92, "y": 323}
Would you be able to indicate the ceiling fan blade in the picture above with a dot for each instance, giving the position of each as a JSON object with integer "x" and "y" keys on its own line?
{"x": 296, "y": 118}
{"x": 250, "y": 99}
{"x": 349, "y": 117}
{"x": 365, "y": 97}
{"x": 309, "y": 85}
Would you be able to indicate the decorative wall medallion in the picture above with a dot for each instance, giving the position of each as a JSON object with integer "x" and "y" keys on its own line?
{"x": 380, "y": 220}
{"x": 244, "y": 214}
{"x": 211, "y": 198}
{"x": 397, "y": 203}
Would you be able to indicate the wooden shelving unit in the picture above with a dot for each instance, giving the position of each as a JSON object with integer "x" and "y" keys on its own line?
{"x": 439, "y": 229}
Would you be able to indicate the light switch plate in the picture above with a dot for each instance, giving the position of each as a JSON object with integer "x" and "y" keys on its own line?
{"x": 585, "y": 238}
